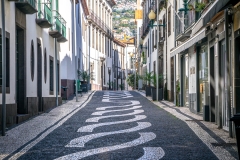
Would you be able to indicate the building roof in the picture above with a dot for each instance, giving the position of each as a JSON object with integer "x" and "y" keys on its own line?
{"x": 119, "y": 42}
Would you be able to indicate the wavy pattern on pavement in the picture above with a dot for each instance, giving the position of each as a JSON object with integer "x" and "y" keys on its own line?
{"x": 80, "y": 142}
{"x": 151, "y": 153}
{"x": 96, "y": 119}
{"x": 90, "y": 128}
{"x": 144, "y": 137}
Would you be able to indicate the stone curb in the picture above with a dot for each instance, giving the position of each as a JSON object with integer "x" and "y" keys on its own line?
{"x": 28, "y": 131}
{"x": 208, "y": 132}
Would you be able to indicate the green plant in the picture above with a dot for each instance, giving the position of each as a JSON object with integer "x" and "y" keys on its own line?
{"x": 154, "y": 80}
{"x": 131, "y": 80}
{"x": 147, "y": 77}
{"x": 85, "y": 76}
{"x": 121, "y": 86}
{"x": 200, "y": 6}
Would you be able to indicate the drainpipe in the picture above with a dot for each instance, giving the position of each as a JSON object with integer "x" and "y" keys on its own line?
{"x": 89, "y": 56}
{"x": 56, "y": 70}
{"x": 3, "y": 69}
{"x": 157, "y": 85}
{"x": 75, "y": 47}
{"x": 227, "y": 68}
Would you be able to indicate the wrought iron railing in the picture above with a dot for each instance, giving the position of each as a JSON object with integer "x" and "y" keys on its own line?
{"x": 100, "y": 23}
{"x": 44, "y": 10}
{"x": 59, "y": 23}
{"x": 190, "y": 17}
{"x": 31, "y": 2}
{"x": 179, "y": 25}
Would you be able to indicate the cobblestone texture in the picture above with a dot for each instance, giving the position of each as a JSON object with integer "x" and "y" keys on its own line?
{"x": 158, "y": 132}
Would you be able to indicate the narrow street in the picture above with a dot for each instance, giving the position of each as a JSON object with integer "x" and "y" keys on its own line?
{"x": 119, "y": 125}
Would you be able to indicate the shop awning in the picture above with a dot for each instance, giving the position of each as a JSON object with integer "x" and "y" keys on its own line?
{"x": 191, "y": 41}
{"x": 217, "y": 6}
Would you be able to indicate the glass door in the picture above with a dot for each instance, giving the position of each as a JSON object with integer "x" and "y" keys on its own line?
{"x": 185, "y": 81}
{"x": 223, "y": 80}
{"x": 203, "y": 76}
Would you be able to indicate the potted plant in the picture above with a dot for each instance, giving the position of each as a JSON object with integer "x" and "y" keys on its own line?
{"x": 85, "y": 77}
{"x": 148, "y": 77}
{"x": 199, "y": 6}
{"x": 177, "y": 93}
{"x": 154, "y": 90}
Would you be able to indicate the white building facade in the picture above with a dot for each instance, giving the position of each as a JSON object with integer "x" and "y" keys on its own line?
{"x": 35, "y": 36}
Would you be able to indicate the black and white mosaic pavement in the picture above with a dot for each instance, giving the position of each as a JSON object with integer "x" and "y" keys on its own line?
{"x": 118, "y": 125}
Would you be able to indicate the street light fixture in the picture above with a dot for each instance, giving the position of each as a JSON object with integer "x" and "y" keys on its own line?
{"x": 152, "y": 17}
{"x": 109, "y": 74}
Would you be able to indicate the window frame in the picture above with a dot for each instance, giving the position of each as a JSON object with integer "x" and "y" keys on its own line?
{"x": 51, "y": 78}
{"x": 32, "y": 60}
{"x": 7, "y": 61}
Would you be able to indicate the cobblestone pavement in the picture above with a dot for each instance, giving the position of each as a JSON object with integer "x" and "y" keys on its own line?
{"x": 119, "y": 125}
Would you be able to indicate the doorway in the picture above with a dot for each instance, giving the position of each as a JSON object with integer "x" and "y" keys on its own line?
{"x": 185, "y": 80}
{"x": 20, "y": 72}
{"x": 172, "y": 79}
{"x": 39, "y": 75}
{"x": 237, "y": 74}
{"x": 212, "y": 85}
{"x": 223, "y": 110}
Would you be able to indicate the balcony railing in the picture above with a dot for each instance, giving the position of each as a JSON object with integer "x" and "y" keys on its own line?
{"x": 145, "y": 27}
{"x": 44, "y": 16}
{"x": 58, "y": 29}
{"x": 190, "y": 17}
{"x": 100, "y": 23}
{"x": 179, "y": 25}
{"x": 27, "y": 6}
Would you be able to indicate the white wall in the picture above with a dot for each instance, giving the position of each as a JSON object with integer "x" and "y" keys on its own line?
{"x": 10, "y": 28}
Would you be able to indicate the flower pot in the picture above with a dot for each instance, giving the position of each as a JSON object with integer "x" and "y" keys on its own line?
{"x": 154, "y": 94}
{"x": 148, "y": 90}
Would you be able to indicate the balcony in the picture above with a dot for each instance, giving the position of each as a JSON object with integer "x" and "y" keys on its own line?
{"x": 180, "y": 31}
{"x": 58, "y": 29}
{"x": 27, "y": 6}
{"x": 100, "y": 24}
{"x": 44, "y": 16}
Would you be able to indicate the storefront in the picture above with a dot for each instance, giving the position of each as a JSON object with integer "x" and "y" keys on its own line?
{"x": 203, "y": 78}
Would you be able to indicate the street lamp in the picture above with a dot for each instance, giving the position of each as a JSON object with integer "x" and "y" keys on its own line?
{"x": 109, "y": 74}
{"x": 152, "y": 17}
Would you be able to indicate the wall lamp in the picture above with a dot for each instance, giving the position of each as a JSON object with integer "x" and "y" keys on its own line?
{"x": 152, "y": 16}
{"x": 185, "y": 7}
{"x": 141, "y": 44}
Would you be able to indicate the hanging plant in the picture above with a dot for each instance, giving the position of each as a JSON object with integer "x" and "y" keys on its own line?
{"x": 200, "y": 6}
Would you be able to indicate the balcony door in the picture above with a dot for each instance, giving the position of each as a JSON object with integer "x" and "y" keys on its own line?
{"x": 20, "y": 72}
{"x": 237, "y": 74}
{"x": 39, "y": 75}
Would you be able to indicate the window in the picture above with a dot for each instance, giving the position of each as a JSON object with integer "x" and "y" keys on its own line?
{"x": 51, "y": 74}
{"x": 164, "y": 29}
{"x": 156, "y": 37}
{"x": 58, "y": 78}
{"x": 152, "y": 40}
{"x": 32, "y": 60}
{"x": 169, "y": 21}
{"x": 154, "y": 67}
{"x": 148, "y": 48}
{"x": 7, "y": 63}
{"x": 45, "y": 65}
